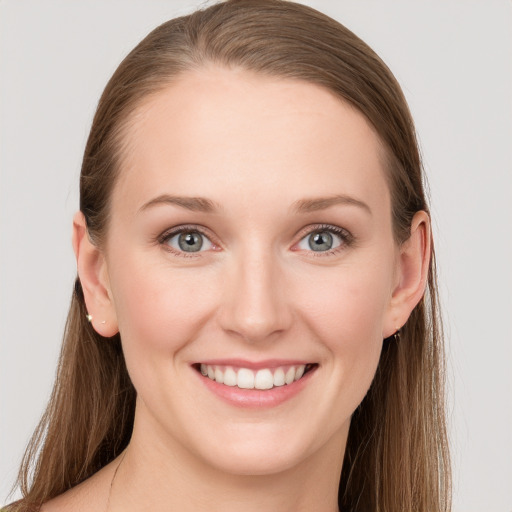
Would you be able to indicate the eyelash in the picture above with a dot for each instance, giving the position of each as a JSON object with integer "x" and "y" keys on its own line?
{"x": 347, "y": 239}
{"x": 164, "y": 238}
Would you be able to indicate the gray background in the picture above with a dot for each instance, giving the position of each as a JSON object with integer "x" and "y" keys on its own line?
{"x": 454, "y": 61}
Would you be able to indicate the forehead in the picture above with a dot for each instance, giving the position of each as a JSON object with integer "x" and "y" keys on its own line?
{"x": 217, "y": 130}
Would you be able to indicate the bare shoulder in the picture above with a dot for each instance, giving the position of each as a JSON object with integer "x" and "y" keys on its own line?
{"x": 89, "y": 496}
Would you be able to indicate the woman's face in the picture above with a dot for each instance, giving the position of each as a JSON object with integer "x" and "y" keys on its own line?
{"x": 250, "y": 238}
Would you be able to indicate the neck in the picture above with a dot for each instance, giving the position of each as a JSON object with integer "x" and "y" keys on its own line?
{"x": 159, "y": 475}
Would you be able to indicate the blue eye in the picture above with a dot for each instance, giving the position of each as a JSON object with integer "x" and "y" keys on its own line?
{"x": 323, "y": 240}
{"x": 188, "y": 241}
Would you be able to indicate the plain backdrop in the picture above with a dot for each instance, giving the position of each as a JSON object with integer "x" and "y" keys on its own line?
{"x": 454, "y": 62}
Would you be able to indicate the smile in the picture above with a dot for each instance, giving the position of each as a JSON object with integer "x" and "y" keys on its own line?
{"x": 261, "y": 379}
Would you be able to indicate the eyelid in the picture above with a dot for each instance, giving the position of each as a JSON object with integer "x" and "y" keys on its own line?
{"x": 163, "y": 238}
{"x": 346, "y": 236}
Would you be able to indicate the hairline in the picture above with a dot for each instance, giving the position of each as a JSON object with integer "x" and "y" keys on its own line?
{"x": 124, "y": 137}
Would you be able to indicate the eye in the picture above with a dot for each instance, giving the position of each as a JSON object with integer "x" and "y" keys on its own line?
{"x": 324, "y": 239}
{"x": 188, "y": 240}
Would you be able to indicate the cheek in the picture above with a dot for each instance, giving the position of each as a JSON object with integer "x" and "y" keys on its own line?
{"x": 346, "y": 314}
{"x": 347, "y": 304}
{"x": 158, "y": 308}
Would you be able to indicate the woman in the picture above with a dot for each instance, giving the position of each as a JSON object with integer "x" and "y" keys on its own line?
{"x": 254, "y": 321}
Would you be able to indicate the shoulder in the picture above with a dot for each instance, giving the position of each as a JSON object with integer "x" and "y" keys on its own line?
{"x": 89, "y": 496}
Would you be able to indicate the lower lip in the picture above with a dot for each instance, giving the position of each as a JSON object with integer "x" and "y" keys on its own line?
{"x": 254, "y": 398}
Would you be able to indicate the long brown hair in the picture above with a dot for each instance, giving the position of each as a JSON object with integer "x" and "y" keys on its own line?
{"x": 396, "y": 456}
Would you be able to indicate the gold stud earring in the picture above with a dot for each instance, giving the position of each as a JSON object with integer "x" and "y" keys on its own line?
{"x": 89, "y": 317}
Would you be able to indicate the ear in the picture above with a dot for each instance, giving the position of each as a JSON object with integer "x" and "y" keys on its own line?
{"x": 412, "y": 273}
{"x": 92, "y": 271}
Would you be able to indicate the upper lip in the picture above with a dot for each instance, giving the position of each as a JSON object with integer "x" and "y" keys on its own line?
{"x": 254, "y": 365}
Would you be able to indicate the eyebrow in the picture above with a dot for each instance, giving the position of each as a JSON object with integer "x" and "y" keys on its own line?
{"x": 321, "y": 203}
{"x": 195, "y": 204}
{"x": 201, "y": 204}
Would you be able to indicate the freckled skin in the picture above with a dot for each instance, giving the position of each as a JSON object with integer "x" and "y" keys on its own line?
{"x": 254, "y": 146}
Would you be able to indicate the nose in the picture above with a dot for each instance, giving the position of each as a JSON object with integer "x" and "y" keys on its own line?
{"x": 255, "y": 304}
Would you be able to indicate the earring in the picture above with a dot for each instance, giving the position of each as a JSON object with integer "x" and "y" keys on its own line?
{"x": 396, "y": 336}
{"x": 89, "y": 317}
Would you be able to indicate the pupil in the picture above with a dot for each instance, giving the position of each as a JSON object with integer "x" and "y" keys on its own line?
{"x": 321, "y": 241}
{"x": 190, "y": 242}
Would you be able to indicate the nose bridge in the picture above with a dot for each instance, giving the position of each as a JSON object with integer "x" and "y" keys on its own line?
{"x": 256, "y": 306}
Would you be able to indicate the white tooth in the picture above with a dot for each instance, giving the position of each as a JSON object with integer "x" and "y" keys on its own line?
{"x": 211, "y": 372}
{"x": 245, "y": 378}
{"x": 229, "y": 377}
{"x": 263, "y": 379}
{"x": 219, "y": 376}
{"x": 204, "y": 370}
{"x": 290, "y": 375}
{"x": 279, "y": 377}
{"x": 300, "y": 372}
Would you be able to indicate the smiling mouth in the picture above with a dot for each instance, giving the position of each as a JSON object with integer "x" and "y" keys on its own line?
{"x": 262, "y": 379}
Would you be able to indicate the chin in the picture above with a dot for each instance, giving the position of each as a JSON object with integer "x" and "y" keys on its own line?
{"x": 255, "y": 460}
{"x": 266, "y": 449}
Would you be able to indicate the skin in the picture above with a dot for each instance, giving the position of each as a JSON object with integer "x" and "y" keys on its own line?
{"x": 254, "y": 146}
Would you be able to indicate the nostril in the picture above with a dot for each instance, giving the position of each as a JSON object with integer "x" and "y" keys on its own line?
{"x": 256, "y": 308}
